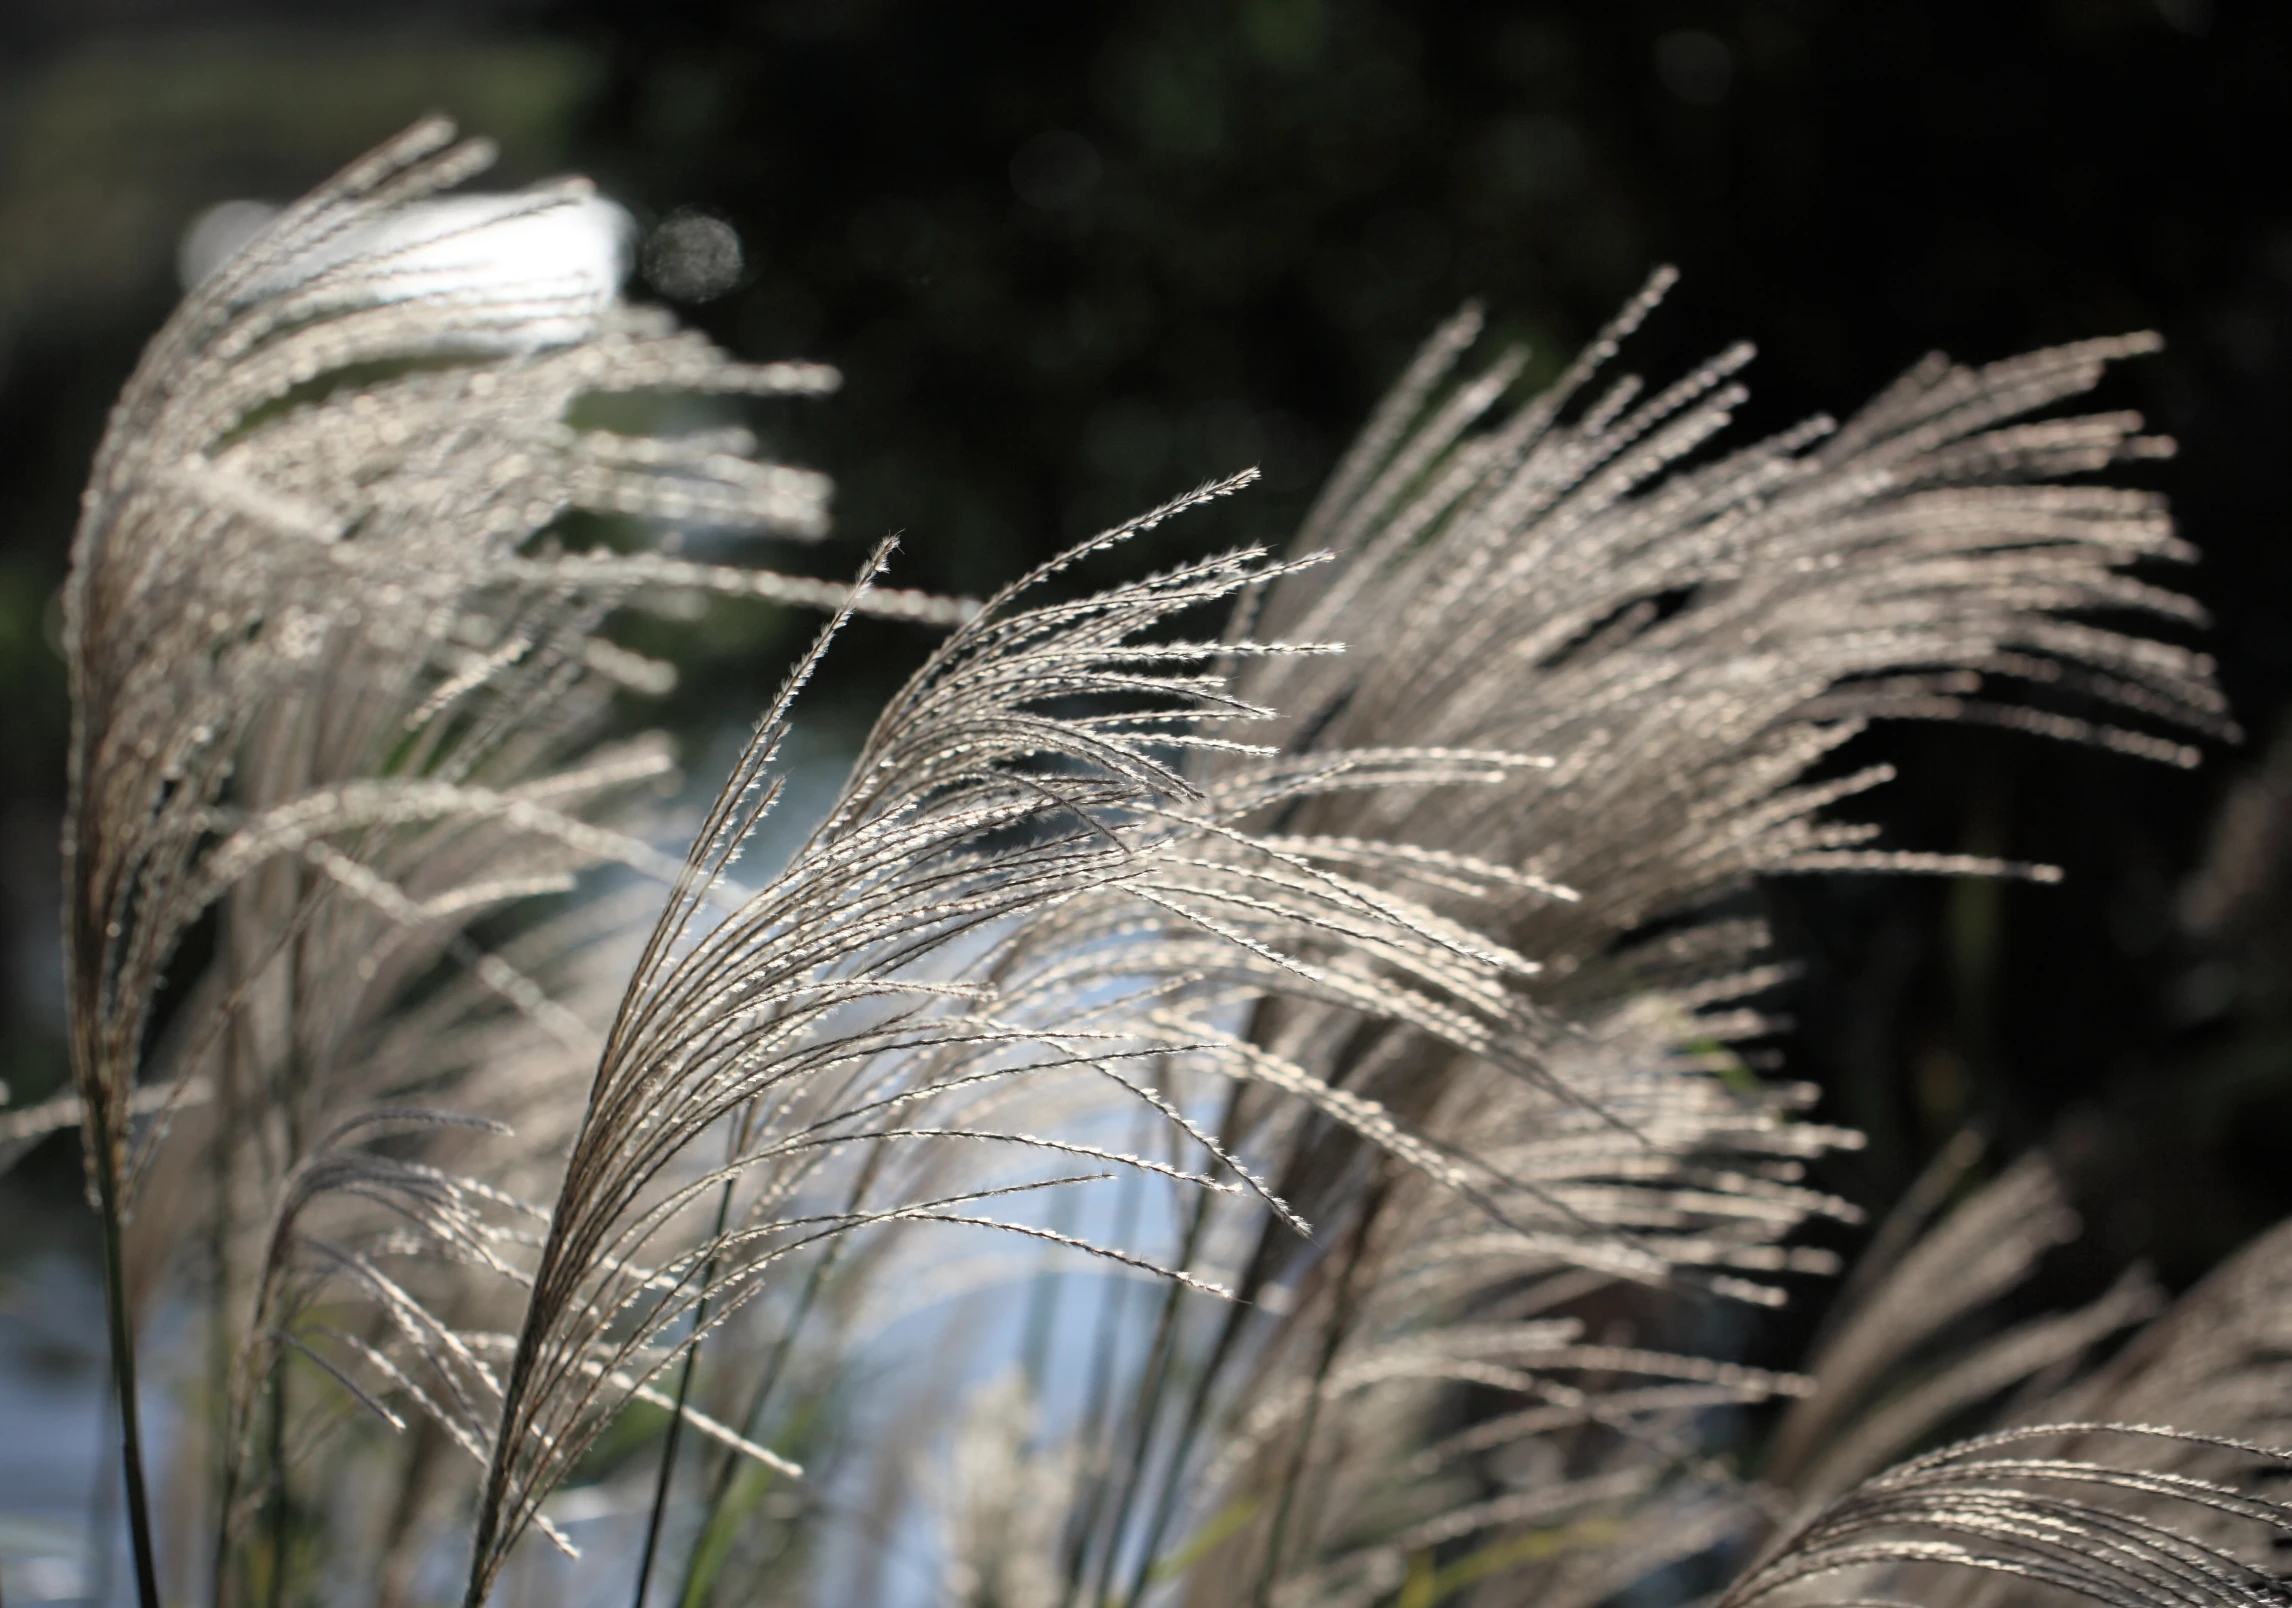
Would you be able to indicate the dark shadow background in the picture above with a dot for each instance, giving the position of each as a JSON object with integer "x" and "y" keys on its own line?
{"x": 1073, "y": 258}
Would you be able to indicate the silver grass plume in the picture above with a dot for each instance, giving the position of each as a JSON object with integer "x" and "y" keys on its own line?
{"x": 1431, "y": 967}
{"x": 302, "y": 604}
{"x": 2079, "y": 1507}
{"x": 2082, "y": 1493}
{"x": 333, "y": 676}
{"x": 1686, "y": 635}
{"x": 1882, "y": 1377}
{"x": 1011, "y": 903}
{"x": 2077, "y": 1489}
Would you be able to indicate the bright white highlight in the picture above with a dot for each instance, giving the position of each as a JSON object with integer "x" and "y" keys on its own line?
{"x": 563, "y": 253}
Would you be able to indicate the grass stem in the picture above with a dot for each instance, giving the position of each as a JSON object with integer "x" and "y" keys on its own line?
{"x": 122, "y": 1334}
{"x": 668, "y": 1467}
{"x": 683, "y": 1393}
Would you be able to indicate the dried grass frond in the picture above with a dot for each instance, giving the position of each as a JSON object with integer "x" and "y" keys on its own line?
{"x": 306, "y": 567}
{"x": 1376, "y": 951}
{"x": 1008, "y": 897}
{"x": 337, "y": 688}
{"x": 1686, "y": 635}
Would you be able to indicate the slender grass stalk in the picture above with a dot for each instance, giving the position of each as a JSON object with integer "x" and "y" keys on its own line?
{"x": 122, "y": 1335}
{"x": 675, "y": 1435}
{"x": 103, "y": 1505}
{"x": 276, "y": 1586}
{"x": 1332, "y": 1341}
{"x": 1104, "y": 1386}
{"x": 1197, "y": 1405}
{"x": 220, "y": 1352}
{"x": 667, "y": 1470}
{"x": 699, "y": 1575}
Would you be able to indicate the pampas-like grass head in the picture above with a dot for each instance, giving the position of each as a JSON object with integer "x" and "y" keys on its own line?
{"x": 1333, "y": 993}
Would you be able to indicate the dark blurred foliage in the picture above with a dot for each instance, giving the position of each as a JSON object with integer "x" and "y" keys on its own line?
{"x": 1074, "y": 258}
